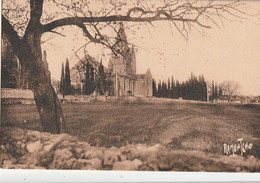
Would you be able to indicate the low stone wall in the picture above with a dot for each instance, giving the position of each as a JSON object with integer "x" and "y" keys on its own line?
{"x": 16, "y": 93}
{"x": 26, "y": 149}
{"x": 167, "y": 100}
{"x": 21, "y": 96}
{"x": 76, "y": 98}
{"x": 16, "y": 96}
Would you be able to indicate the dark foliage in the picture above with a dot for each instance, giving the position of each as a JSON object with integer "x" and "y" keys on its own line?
{"x": 67, "y": 81}
{"x": 62, "y": 79}
{"x": 192, "y": 89}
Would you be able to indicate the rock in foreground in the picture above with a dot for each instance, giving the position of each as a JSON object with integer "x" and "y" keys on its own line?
{"x": 26, "y": 149}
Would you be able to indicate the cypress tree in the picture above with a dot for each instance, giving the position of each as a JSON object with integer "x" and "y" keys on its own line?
{"x": 204, "y": 89}
{"x": 67, "y": 81}
{"x": 182, "y": 90}
{"x": 89, "y": 87}
{"x": 201, "y": 88}
{"x": 44, "y": 59}
{"x": 101, "y": 83}
{"x": 172, "y": 87}
{"x": 212, "y": 92}
{"x": 216, "y": 91}
{"x": 92, "y": 79}
{"x": 154, "y": 88}
{"x": 195, "y": 88}
{"x": 87, "y": 80}
{"x": 177, "y": 93}
{"x": 159, "y": 94}
{"x": 169, "y": 88}
{"x": 62, "y": 79}
{"x": 164, "y": 89}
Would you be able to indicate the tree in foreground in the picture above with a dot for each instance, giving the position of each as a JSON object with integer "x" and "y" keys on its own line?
{"x": 24, "y": 23}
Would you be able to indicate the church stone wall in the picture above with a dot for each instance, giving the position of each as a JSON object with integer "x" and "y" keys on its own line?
{"x": 149, "y": 81}
{"x": 139, "y": 89}
{"x": 125, "y": 85}
{"x": 143, "y": 86}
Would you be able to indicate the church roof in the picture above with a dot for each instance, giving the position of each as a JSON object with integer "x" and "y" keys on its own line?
{"x": 140, "y": 76}
{"x": 121, "y": 44}
{"x": 92, "y": 61}
{"x": 78, "y": 66}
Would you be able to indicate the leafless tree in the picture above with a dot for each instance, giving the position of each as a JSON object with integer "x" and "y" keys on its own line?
{"x": 229, "y": 89}
{"x": 24, "y": 23}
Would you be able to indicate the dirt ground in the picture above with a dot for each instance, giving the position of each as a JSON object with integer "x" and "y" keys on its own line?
{"x": 184, "y": 126}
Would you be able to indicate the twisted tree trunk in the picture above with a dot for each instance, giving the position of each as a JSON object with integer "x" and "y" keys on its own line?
{"x": 29, "y": 52}
{"x": 48, "y": 105}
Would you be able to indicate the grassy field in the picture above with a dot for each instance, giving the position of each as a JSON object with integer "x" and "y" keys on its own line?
{"x": 203, "y": 127}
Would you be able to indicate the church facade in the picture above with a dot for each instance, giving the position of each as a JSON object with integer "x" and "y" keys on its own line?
{"x": 77, "y": 72}
{"x": 122, "y": 67}
{"x": 122, "y": 71}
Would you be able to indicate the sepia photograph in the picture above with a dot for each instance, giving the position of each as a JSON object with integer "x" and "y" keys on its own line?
{"x": 130, "y": 85}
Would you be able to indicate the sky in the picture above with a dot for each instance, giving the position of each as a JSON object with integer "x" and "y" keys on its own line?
{"x": 229, "y": 53}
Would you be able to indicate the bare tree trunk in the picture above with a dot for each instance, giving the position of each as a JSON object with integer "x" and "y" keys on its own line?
{"x": 48, "y": 105}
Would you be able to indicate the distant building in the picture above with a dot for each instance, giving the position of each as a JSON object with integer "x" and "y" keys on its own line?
{"x": 77, "y": 72}
{"x": 121, "y": 70}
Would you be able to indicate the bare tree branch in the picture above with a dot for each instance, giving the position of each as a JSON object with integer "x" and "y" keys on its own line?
{"x": 161, "y": 14}
{"x": 86, "y": 32}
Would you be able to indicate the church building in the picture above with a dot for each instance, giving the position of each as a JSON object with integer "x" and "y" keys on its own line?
{"x": 121, "y": 70}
